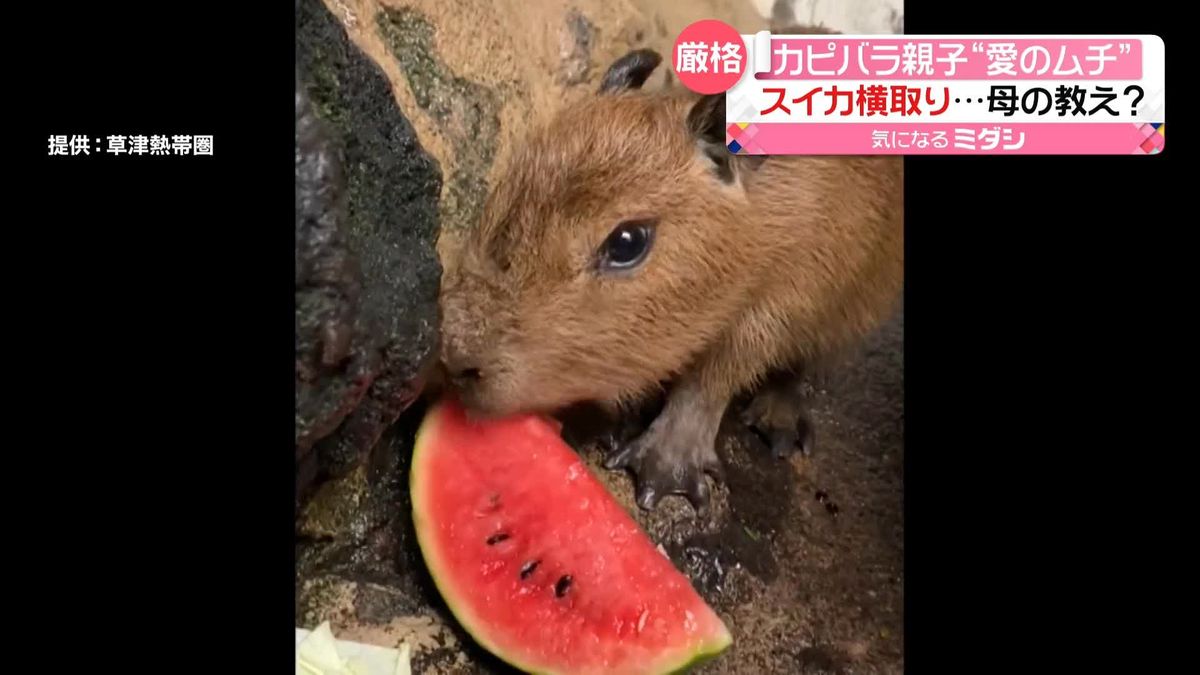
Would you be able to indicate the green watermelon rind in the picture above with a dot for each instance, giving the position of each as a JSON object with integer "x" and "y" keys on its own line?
{"x": 704, "y": 653}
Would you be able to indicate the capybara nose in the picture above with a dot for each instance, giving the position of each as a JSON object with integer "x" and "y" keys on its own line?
{"x": 461, "y": 366}
{"x": 465, "y": 377}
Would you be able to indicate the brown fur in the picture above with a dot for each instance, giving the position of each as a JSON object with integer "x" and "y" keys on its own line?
{"x": 797, "y": 260}
{"x": 770, "y": 266}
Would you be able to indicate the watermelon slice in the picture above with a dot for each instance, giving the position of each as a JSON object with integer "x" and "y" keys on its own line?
{"x": 539, "y": 563}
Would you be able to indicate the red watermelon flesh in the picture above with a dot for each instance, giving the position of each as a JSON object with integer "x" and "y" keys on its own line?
{"x": 539, "y": 563}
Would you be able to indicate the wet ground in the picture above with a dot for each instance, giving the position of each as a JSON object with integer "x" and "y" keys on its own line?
{"x": 803, "y": 558}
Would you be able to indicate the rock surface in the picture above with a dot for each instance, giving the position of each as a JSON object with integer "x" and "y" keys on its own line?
{"x": 802, "y": 558}
{"x": 367, "y": 272}
{"x": 859, "y": 17}
{"x": 475, "y": 75}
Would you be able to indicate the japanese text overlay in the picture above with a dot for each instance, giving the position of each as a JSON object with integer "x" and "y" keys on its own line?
{"x": 928, "y": 95}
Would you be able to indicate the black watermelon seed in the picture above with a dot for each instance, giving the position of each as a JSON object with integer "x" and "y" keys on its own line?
{"x": 560, "y": 588}
{"x": 497, "y": 538}
{"x": 529, "y": 567}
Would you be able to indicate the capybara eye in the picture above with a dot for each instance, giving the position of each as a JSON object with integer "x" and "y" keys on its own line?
{"x": 627, "y": 246}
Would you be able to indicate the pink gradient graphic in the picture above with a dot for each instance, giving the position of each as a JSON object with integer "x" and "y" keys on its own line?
{"x": 872, "y": 139}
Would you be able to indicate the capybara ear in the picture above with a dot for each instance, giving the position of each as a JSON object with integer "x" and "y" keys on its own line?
{"x": 706, "y": 119}
{"x": 630, "y": 71}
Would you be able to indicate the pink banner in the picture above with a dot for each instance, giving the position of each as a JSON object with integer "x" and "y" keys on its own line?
{"x": 941, "y": 139}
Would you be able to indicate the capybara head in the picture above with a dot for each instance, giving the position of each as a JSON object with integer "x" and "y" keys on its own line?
{"x": 607, "y": 254}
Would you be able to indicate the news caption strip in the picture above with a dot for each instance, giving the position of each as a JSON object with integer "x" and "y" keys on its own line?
{"x": 943, "y": 95}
